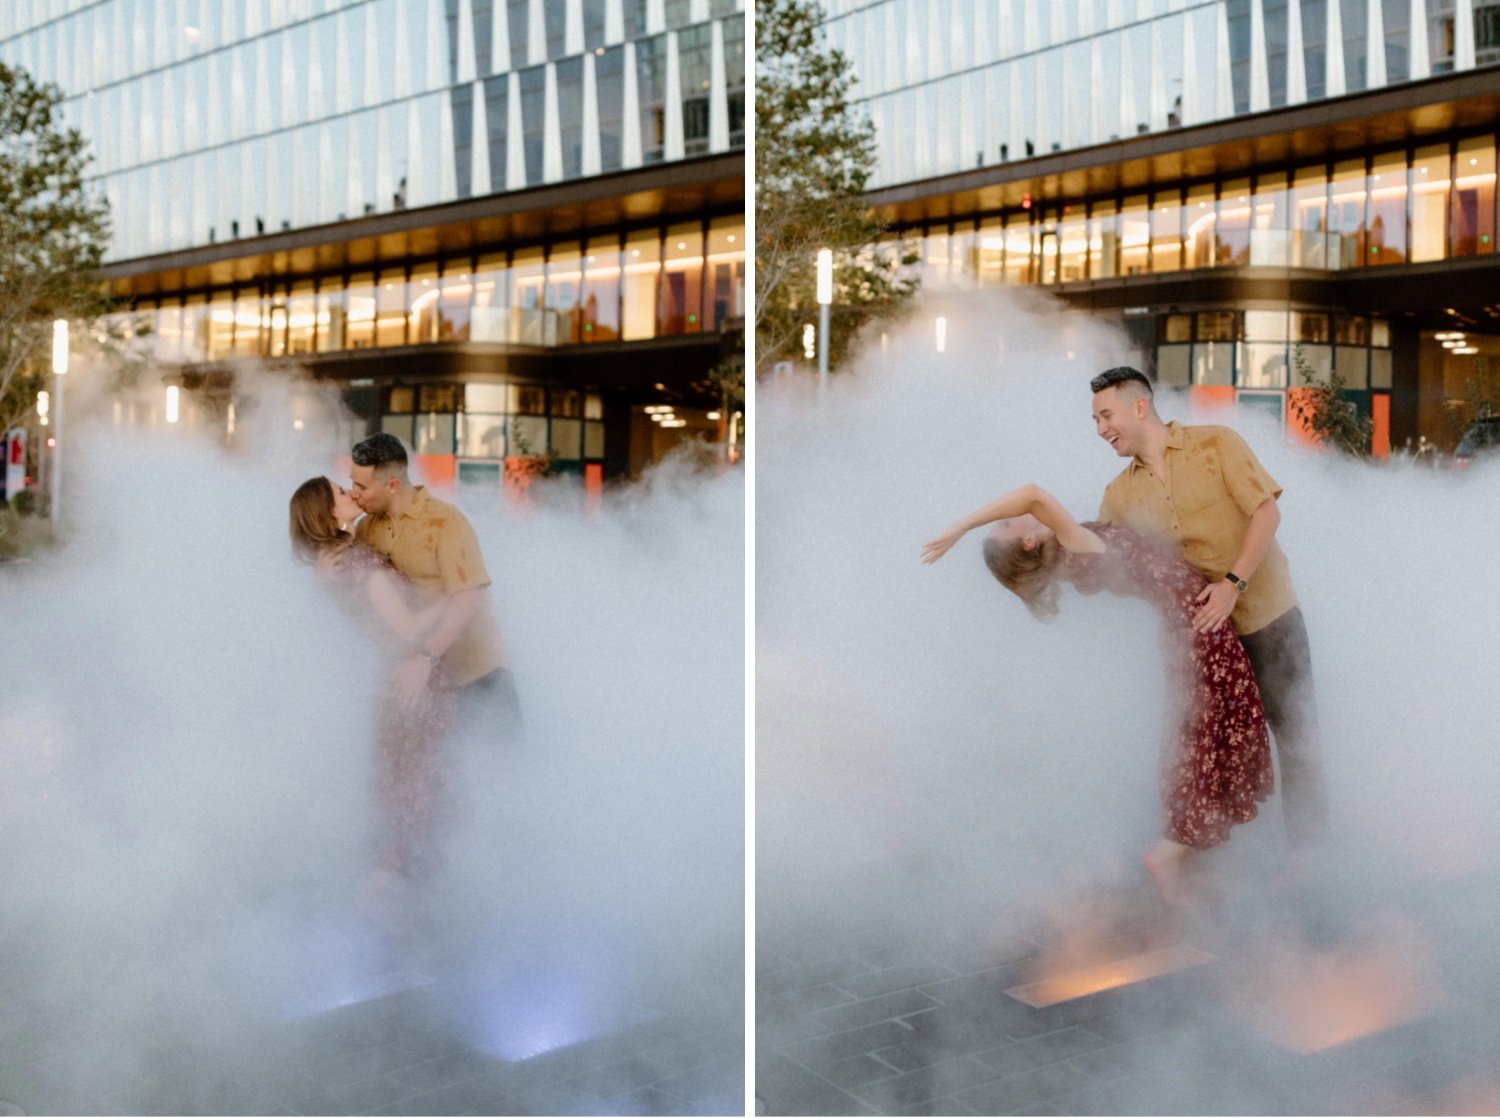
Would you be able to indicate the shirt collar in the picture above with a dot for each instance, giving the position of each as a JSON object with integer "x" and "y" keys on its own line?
{"x": 1174, "y": 442}
{"x": 417, "y": 506}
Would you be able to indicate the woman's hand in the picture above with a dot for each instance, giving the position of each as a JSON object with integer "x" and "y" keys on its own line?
{"x": 933, "y": 550}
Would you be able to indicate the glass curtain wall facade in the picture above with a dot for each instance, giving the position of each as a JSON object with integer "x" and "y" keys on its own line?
{"x": 956, "y": 84}
{"x": 210, "y": 122}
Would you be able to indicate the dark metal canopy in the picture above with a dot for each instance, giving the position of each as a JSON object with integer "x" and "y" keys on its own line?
{"x": 661, "y": 193}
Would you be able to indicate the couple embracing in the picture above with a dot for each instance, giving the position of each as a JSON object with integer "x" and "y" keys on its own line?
{"x": 407, "y": 568}
{"x": 1190, "y": 526}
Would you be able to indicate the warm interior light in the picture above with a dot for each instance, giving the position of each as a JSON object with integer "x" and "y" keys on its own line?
{"x": 172, "y": 403}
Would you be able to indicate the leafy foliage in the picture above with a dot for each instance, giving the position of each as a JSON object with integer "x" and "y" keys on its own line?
{"x": 1326, "y": 412}
{"x": 814, "y": 155}
{"x": 52, "y": 235}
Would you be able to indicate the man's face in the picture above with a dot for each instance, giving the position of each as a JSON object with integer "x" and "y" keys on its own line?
{"x": 1119, "y": 419}
{"x": 371, "y": 492}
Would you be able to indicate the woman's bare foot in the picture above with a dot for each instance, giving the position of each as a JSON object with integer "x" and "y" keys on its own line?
{"x": 1164, "y": 863}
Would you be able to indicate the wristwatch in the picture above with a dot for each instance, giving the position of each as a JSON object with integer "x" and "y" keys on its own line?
{"x": 1236, "y": 581}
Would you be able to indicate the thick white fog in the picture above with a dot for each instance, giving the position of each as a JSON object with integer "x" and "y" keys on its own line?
{"x": 186, "y": 733}
{"x": 937, "y": 768}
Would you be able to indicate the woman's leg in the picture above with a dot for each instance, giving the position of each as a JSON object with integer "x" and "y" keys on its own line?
{"x": 1165, "y": 863}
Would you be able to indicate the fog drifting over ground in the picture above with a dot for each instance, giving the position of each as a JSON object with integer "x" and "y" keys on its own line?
{"x": 934, "y": 764}
{"x": 185, "y": 748}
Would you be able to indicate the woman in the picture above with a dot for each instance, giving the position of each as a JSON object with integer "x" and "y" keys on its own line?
{"x": 1216, "y": 765}
{"x": 411, "y": 725}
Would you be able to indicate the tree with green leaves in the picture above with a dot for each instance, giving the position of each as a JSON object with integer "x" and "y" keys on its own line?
{"x": 814, "y": 154}
{"x": 52, "y": 236}
{"x": 1327, "y": 413}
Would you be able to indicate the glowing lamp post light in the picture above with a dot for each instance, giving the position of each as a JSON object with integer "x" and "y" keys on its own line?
{"x": 59, "y": 370}
{"x": 825, "y": 297}
{"x": 172, "y": 403}
{"x": 942, "y": 334}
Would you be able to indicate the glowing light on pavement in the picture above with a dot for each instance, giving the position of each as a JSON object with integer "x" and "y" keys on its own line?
{"x": 1083, "y": 982}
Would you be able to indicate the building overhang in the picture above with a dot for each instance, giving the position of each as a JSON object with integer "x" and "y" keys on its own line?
{"x": 661, "y": 193}
{"x": 1463, "y": 292}
{"x": 1327, "y": 129}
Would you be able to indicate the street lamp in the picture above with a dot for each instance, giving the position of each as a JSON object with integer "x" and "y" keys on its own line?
{"x": 825, "y": 296}
{"x": 59, "y": 370}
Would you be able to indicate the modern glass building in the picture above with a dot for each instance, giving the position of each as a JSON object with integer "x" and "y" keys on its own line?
{"x": 1260, "y": 190}
{"x": 505, "y": 227}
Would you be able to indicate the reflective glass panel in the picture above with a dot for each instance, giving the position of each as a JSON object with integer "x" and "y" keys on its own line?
{"x": 423, "y": 324}
{"x": 528, "y": 271}
{"x": 682, "y": 281}
{"x": 1346, "y": 213}
{"x": 642, "y": 272}
{"x": 1104, "y": 240}
{"x": 726, "y": 264}
{"x": 1201, "y": 213}
{"x": 1387, "y": 239}
{"x": 1270, "y": 239}
{"x": 490, "y": 318}
{"x": 1166, "y": 232}
{"x": 1429, "y": 203}
{"x": 390, "y": 308}
{"x": 1474, "y": 197}
{"x": 301, "y": 318}
{"x": 601, "y": 287}
{"x": 360, "y": 303}
{"x": 564, "y": 291}
{"x": 1135, "y": 236}
{"x": 453, "y": 303}
{"x": 331, "y": 316}
{"x": 1309, "y": 218}
{"x": 1233, "y": 236}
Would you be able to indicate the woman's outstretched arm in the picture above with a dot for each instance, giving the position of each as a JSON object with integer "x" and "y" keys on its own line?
{"x": 1031, "y": 499}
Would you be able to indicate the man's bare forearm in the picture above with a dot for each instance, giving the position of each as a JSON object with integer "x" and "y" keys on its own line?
{"x": 458, "y": 610}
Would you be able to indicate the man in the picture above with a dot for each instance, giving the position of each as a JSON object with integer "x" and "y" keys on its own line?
{"x": 432, "y": 543}
{"x": 1204, "y": 489}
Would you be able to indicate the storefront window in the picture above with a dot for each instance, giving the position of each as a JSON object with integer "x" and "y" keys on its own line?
{"x": 361, "y": 310}
{"x": 1135, "y": 236}
{"x": 1310, "y": 327}
{"x": 390, "y": 308}
{"x": 1166, "y": 231}
{"x": 1387, "y": 238}
{"x": 1270, "y": 220}
{"x": 1174, "y": 366}
{"x": 1353, "y": 365}
{"x": 453, "y": 301}
{"x": 332, "y": 320}
{"x": 1018, "y": 248}
{"x": 1201, "y": 230}
{"x": 434, "y": 433}
{"x": 168, "y": 334}
{"x": 935, "y": 259}
{"x": 991, "y": 252}
{"x": 1346, "y": 213}
{"x": 965, "y": 249}
{"x": 1311, "y": 364}
{"x": 564, "y": 291}
{"x": 1474, "y": 197}
{"x": 601, "y": 290}
{"x": 642, "y": 274}
{"x": 195, "y": 326}
{"x": 1104, "y": 240}
{"x": 1177, "y": 328}
{"x": 301, "y": 318}
{"x": 220, "y": 327}
{"x": 247, "y": 325}
{"x": 1072, "y": 244}
{"x": 1429, "y": 203}
{"x": 1309, "y": 218}
{"x": 423, "y": 325}
{"x": 276, "y": 323}
{"x": 1233, "y": 234}
{"x": 1263, "y": 365}
{"x": 528, "y": 272}
{"x": 682, "y": 281}
{"x": 726, "y": 262}
{"x": 1047, "y": 245}
{"x": 1213, "y": 363}
{"x": 490, "y": 317}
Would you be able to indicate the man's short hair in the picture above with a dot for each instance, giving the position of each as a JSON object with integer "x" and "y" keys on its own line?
{"x": 1120, "y": 374}
{"x": 383, "y": 452}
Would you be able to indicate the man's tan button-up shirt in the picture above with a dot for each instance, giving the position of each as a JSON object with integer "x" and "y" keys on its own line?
{"x": 1213, "y": 484}
{"x": 433, "y": 544}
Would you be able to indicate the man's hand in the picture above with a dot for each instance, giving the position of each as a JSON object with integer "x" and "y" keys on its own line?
{"x": 410, "y": 676}
{"x": 1218, "y": 600}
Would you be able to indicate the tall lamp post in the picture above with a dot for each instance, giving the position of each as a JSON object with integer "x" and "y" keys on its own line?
{"x": 825, "y": 296}
{"x": 59, "y": 370}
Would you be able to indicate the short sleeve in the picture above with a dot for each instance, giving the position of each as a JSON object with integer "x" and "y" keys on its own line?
{"x": 1245, "y": 478}
{"x": 460, "y": 562}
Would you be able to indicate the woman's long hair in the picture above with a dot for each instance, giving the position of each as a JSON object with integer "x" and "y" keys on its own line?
{"x": 314, "y": 527}
{"x": 1030, "y": 575}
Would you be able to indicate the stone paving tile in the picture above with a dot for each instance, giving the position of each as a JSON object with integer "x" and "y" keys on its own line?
{"x": 810, "y": 999}
{"x": 870, "y": 1010}
{"x": 1042, "y": 1084}
{"x": 840, "y": 1046}
{"x": 855, "y": 1071}
{"x": 786, "y": 1087}
{"x": 813, "y": 974}
{"x": 947, "y": 1078}
{"x": 1048, "y": 1048}
{"x": 895, "y": 978}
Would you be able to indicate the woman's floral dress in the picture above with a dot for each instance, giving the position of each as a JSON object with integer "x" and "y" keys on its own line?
{"x": 1216, "y": 766}
{"x": 409, "y": 729}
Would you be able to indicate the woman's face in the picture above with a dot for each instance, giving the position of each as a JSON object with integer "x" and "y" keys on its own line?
{"x": 1030, "y": 531}
{"x": 345, "y": 511}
